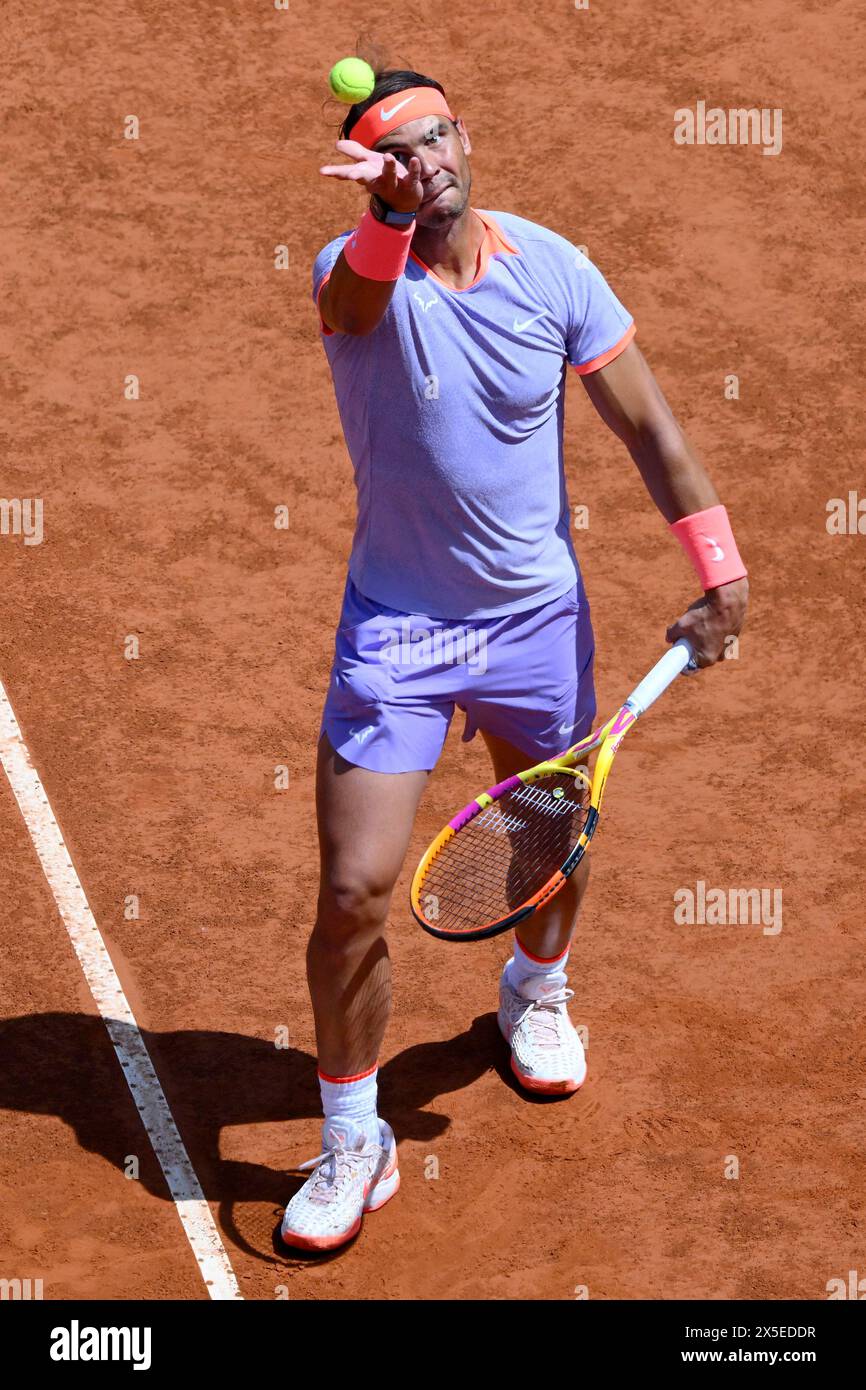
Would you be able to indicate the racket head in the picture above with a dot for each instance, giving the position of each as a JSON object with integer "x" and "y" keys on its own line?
{"x": 505, "y": 854}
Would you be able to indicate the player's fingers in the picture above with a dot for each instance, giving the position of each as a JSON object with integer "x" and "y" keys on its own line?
{"x": 391, "y": 173}
{"x": 345, "y": 171}
{"x": 684, "y": 628}
{"x": 354, "y": 148}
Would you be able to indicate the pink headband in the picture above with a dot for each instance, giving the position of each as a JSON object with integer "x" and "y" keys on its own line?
{"x": 408, "y": 105}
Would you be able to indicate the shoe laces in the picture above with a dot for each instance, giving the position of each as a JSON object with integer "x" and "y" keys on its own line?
{"x": 335, "y": 1169}
{"x": 545, "y": 1017}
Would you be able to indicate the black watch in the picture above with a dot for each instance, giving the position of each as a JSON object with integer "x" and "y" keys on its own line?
{"x": 383, "y": 213}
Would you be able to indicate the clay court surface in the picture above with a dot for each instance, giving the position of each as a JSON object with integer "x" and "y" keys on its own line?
{"x": 156, "y": 258}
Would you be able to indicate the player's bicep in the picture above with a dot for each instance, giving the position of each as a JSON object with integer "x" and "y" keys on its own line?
{"x": 355, "y": 303}
{"x": 326, "y": 323}
{"x": 628, "y": 398}
{"x": 323, "y": 269}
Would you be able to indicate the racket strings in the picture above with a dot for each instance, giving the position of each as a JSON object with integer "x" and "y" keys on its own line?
{"x": 506, "y": 854}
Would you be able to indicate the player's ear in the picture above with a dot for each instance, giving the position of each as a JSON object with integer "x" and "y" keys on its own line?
{"x": 464, "y": 135}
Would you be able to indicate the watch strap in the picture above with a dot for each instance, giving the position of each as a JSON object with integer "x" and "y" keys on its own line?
{"x": 390, "y": 216}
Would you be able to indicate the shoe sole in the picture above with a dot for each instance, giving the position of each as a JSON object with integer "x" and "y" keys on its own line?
{"x": 566, "y": 1087}
{"x": 547, "y": 1088}
{"x": 383, "y": 1191}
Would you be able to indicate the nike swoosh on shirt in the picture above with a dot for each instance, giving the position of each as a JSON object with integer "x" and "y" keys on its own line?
{"x": 386, "y": 115}
{"x": 519, "y": 327}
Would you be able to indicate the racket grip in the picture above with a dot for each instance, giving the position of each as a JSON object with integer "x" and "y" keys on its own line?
{"x": 665, "y": 671}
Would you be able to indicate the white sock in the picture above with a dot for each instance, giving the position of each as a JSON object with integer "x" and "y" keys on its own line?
{"x": 523, "y": 967}
{"x": 353, "y": 1099}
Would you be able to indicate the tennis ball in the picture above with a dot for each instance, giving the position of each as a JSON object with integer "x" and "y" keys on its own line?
{"x": 351, "y": 80}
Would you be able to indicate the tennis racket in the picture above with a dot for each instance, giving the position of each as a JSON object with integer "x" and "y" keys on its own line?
{"x": 511, "y": 849}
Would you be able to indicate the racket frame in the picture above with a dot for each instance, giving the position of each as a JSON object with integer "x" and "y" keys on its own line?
{"x": 607, "y": 739}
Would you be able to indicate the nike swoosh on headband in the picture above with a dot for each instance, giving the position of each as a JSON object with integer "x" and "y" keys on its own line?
{"x": 386, "y": 115}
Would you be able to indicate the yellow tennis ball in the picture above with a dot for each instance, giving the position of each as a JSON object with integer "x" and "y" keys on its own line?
{"x": 351, "y": 80}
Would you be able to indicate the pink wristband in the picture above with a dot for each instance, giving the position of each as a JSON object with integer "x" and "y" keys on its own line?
{"x": 376, "y": 251}
{"x": 708, "y": 540}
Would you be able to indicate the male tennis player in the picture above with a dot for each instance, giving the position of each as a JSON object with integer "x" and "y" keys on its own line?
{"x": 450, "y": 333}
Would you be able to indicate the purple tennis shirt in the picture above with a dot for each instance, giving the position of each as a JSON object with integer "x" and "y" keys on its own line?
{"x": 452, "y": 410}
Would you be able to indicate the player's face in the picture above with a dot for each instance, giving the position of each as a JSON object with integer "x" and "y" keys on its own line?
{"x": 442, "y": 147}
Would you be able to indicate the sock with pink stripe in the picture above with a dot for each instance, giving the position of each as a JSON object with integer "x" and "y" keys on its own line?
{"x": 523, "y": 967}
{"x": 352, "y": 1101}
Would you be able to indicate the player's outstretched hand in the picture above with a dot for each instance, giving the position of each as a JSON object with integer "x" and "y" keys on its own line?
{"x": 710, "y": 619}
{"x": 382, "y": 174}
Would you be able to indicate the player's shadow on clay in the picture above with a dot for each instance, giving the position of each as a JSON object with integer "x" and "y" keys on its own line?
{"x": 64, "y": 1064}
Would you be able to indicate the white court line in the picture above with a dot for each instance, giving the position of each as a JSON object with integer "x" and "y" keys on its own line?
{"x": 125, "y": 1034}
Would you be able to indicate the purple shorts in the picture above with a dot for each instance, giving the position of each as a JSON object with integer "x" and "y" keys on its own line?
{"x": 525, "y": 677}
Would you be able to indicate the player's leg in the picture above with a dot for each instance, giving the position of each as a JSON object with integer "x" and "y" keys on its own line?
{"x": 382, "y": 729}
{"x": 546, "y": 1052}
{"x": 535, "y": 698}
{"x": 365, "y": 819}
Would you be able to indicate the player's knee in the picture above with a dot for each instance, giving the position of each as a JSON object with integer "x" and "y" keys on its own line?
{"x": 353, "y": 899}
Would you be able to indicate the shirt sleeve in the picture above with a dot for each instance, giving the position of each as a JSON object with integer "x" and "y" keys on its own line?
{"x": 598, "y": 327}
{"x": 322, "y": 267}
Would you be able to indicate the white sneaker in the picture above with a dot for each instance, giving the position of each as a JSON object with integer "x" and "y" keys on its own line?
{"x": 546, "y": 1052}
{"x": 351, "y": 1176}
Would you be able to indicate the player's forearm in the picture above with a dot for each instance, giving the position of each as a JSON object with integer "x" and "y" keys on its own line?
{"x": 630, "y": 401}
{"x": 680, "y": 486}
{"x": 632, "y": 404}
{"x": 673, "y": 475}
